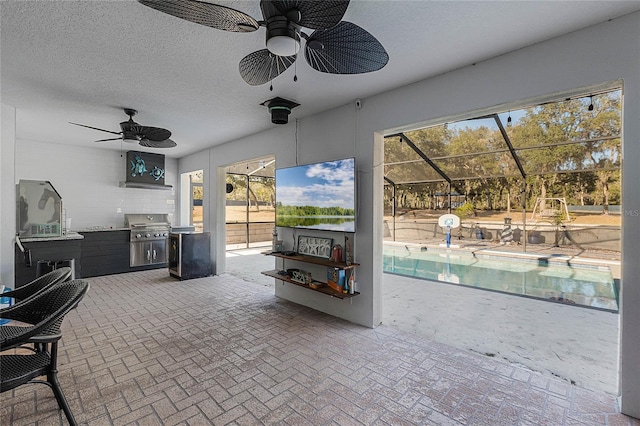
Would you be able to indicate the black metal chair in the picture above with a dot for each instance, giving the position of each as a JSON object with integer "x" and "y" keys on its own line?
{"x": 41, "y": 316}
{"x": 39, "y": 284}
{"x": 34, "y": 287}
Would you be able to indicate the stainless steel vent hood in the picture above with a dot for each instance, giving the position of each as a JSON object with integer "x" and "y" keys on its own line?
{"x": 145, "y": 170}
{"x": 143, "y": 185}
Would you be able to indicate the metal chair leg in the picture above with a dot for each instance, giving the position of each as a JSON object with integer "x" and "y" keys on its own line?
{"x": 52, "y": 378}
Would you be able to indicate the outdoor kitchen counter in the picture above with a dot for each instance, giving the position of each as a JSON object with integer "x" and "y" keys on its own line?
{"x": 100, "y": 229}
{"x": 95, "y": 250}
{"x": 107, "y": 251}
{"x": 71, "y": 235}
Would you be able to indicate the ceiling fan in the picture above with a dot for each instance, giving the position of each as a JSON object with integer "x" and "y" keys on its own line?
{"x": 132, "y": 132}
{"x": 334, "y": 47}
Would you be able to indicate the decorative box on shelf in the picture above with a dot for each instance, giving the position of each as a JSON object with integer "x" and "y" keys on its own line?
{"x": 316, "y": 285}
{"x": 336, "y": 278}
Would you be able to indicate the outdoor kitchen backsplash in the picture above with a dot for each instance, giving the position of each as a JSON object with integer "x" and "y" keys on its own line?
{"x": 88, "y": 181}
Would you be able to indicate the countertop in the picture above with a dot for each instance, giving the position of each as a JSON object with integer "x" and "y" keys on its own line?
{"x": 174, "y": 229}
{"x": 100, "y": 229}
{"x": 71, "y": 235}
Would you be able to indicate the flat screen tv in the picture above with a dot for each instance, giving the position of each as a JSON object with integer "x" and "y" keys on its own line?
{"x": 317, "y": 196}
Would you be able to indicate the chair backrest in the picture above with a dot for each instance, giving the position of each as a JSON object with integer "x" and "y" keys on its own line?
{"x": 39, "y": 284}
{"x": 46, "y": 310}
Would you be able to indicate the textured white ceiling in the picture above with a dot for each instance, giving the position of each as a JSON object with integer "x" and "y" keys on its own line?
{"x": 83, "y": 61}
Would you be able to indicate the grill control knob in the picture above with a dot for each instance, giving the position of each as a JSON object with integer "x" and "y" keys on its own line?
{"x": 165, "y": 234}
{"x": 148, "y": 235}
{"x": 156, "y": 234}
{"x": 138, "y": 236}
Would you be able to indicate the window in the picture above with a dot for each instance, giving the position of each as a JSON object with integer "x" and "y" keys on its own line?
{"x": 197, "y": 193}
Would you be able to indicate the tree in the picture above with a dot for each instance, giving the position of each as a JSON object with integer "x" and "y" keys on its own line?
{"x": 565, "y": 149}
{"x": 260, "y": 191}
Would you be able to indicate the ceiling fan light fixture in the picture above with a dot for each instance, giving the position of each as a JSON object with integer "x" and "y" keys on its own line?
{"x": 283, "y": 45}
{"x": 282, "y": 37}
{"x": 129, "y": 137}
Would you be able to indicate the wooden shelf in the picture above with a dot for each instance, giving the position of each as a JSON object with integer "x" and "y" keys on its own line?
{"x": 325, "y": 289}
{"x": 314, "y": 260}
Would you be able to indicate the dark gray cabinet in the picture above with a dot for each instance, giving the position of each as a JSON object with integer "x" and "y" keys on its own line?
{"x": 105, "y": 253}
{"x": 56, "y": 250}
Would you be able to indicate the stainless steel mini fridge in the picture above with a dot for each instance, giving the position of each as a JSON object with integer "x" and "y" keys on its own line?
{"x": 189, "y": 255}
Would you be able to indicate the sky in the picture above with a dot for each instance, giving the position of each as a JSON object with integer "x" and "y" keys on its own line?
{"x": 490, "y": 123}
{"x": 329, "y": 184}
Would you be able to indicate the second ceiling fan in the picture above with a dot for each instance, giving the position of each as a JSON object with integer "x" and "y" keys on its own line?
{"x": 334, "y": 47}
{"x": 147, "y": 136}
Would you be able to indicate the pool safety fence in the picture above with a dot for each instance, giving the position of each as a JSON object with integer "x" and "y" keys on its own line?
{"x": 594, "y": 237}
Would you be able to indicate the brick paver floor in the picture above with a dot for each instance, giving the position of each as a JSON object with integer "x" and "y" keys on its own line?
{"x": 145, "y": 349}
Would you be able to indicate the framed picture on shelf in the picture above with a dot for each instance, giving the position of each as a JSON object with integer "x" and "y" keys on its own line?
{"x": 315, "y": 246}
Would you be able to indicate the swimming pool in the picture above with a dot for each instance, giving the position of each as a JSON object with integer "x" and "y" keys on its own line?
{"x": 585, "y": 286}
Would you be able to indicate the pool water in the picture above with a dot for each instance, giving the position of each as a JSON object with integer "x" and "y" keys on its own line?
{"x": 585, "y": 286}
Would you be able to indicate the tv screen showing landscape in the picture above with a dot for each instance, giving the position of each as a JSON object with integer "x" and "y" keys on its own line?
{"x": 317, "y": 196}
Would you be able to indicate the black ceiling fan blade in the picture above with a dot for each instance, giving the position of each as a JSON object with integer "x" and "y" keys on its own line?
{"x": 209, "y": 14}
{"x": 314, "y": 14}
{"x": 345, "y": 49}
{"x": 95, "y": 128}
{"x": 263, "y": 66}
{"x": 167, "y": 143}
{"x": 155, "y": 134}
{"x": 106, "y": 140}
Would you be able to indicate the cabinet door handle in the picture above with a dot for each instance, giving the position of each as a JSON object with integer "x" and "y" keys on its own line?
{"x": 148, "y": 254}
{"x": 154, "y": 255}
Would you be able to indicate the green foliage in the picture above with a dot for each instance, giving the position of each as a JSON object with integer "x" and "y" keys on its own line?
{"x": 565, "y": 149}
{"x": 558, "y": 218}
{"x": 197, "y": 192}
{"x": 464, "y": 211}
{"x": 261, "y": 189}
{"x": 312, "y": 211}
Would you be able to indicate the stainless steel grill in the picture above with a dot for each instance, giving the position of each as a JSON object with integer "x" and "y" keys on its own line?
{"x": 147, "y": 227}
{"x": 148, "y": 239}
